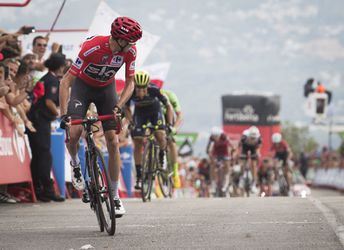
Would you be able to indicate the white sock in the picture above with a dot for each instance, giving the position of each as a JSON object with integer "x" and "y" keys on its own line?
{"x": 75, "y": 159}
{"x": 115, "y": 189}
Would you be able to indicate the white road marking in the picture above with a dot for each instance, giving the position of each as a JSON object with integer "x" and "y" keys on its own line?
{"x": 331, "y": 218}
{"x": 162, "y": 225}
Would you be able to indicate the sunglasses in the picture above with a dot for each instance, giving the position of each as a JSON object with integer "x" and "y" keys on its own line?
{"x": 41, "y": 45}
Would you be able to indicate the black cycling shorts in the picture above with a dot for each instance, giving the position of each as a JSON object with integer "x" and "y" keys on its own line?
{"x": 246, "y": 149}
{"x": 264, "y": 177}
{"x": 104, "y": 98}
{"x": 282, "y": 156}
{"x": 140, "y": 119}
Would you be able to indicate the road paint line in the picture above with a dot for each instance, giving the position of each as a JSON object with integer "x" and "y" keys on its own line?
{"x": 150, "y": 226}
{"x": 46, "y": 228}
{"x": 331, "y": 218}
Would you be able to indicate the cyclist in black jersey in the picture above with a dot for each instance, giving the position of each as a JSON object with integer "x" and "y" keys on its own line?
{"x": 147, "y": 108}
{"x": 249, "y": 146}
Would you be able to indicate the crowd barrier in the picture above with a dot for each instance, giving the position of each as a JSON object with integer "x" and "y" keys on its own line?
{"x": 329, "y": 178}
{"x": 62, "y": 168}
{"x": 15, "y": 157}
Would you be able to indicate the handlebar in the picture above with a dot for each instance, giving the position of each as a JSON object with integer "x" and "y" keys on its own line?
{"x": 150, "y": 126}
{"x": 93, "y": 119}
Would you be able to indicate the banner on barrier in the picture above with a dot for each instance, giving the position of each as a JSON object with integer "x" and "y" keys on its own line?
{"x": 14, "y": 155}
{"x": 332, "y": 177}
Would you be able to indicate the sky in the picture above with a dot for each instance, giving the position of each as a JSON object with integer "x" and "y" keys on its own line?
{"x": 216, "y": 47}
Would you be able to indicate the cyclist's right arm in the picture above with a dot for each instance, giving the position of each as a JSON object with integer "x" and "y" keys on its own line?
{"x": 208, "y": 146}
{"x": 65, "y": 84}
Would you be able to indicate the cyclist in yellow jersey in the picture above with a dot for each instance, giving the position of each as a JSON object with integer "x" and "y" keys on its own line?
{"x": 148, "y": 101}
{"x": 178, "y": 118}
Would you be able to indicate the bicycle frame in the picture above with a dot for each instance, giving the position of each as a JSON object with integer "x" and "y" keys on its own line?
{"x": 219, "y": 163}
{"x": 99, "y": 183}
{"x": 152, "y": 167}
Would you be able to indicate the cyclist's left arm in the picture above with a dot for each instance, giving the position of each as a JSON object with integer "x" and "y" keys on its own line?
{"x": 177, "y": 109}
{"x": 169, "y": 113}
{"x": 127, "y": 91}
{"x": 179, "y": 119}
{"x": 290, "y": 153}
{"x": 163, "y": 99}
{"x": 259, "y": 145}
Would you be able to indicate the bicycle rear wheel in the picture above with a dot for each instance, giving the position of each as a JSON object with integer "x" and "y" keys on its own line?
{"x": 247, "y": 182}
{"x": 283, "y": 186}
{"x": 165, "y": 180}
{"x": 147, "y": 172}
{"x": 104, "y": 193}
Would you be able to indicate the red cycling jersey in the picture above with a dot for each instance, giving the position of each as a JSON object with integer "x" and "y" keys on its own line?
{"x": 280, "y": 147}
{"x": 220, "y": 146}
{"x": 97, "y": 65}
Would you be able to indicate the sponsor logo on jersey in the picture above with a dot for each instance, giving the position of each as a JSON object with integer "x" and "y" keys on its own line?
{"x": 104, "y": 59}
{"x": 132, "y": 51}
{"x": 101, "y": 73}
{"x": 132, "y": 65}
{"x": 78, "y": 63}
{"x": 117, "y": 61}
{"x": 77, "y": 103}
{"x": 91, "y": 50}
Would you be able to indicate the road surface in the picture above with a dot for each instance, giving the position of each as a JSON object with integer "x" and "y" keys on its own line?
{"x": 316, "y": 222}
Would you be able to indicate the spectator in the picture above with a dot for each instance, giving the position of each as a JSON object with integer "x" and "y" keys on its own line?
{"x": 13, "y": 66}
{"x": 22, "y": 88}
{"x": 4, "y": 89}
{"x": 13, "y": 98}
{"x": 69, "y": 63}
{"x": 320, "y": 88}
{"x": 42, "y": 113}
{"x": 10, "y": 45}
{"x": 39, "y": 47}
{"x": 341, "y": 154}
{"x": 303, "y": 164}
{"x": 325, "y": 157}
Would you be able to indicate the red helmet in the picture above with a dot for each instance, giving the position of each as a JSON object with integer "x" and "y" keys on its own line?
{"x": 126, "y": 28}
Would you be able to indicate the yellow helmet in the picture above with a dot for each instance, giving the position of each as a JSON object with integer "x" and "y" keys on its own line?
{"x": 141, "y": 79}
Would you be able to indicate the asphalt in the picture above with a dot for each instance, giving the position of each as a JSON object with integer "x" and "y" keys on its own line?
{"x": 184, "y": 223}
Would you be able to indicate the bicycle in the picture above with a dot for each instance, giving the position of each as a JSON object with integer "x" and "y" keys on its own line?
{"x": 152, "y": 168}
{"x": 247, "y": 177}
{"x": 281, "y": 179}
{"x": 220, "y": 189}
{"x": 98, "y": 183}
{"x": 235, "y": 189}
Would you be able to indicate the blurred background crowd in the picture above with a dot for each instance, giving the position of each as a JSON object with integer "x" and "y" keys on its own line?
{"x": 29, "y": 98}
{"x": 196, "y": 177}
{"x": 29, "y": 101}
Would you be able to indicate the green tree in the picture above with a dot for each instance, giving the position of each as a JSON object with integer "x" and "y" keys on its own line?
{"x": 298, "y": 138}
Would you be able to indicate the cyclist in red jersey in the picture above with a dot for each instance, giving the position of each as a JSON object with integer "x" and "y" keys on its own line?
{"x": 218, "y": 149}
{"x": 92, "y": 79}
{"x": 282, "y": 153}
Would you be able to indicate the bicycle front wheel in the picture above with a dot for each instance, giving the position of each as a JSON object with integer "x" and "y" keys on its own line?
{"x": 104, "y": 193}
{"x": 147, "y": 172}
{"x": 92, "y": 191}
{"x": 165, "y": 180}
